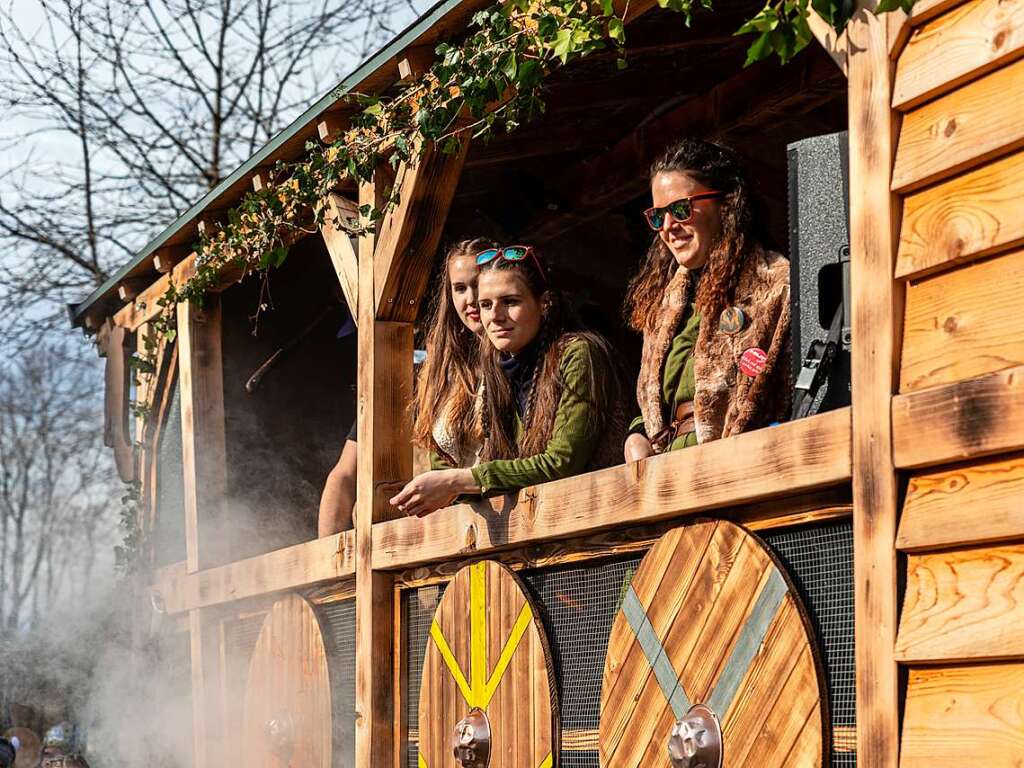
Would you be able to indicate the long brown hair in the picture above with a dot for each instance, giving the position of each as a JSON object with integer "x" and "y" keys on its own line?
{"x": 559, "y": 327}
{"x": 447, "y": 382}
{"x": 719, "y": 168}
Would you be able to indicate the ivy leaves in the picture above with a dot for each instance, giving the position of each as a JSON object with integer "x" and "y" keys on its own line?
{"x": 781, "y": 26}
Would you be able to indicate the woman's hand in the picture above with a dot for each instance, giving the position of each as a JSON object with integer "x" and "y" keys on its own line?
{"x": 430, "y": 491}
{"x": 637, "y": 447}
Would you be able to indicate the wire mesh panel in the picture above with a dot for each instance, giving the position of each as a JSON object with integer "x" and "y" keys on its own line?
{"x": 819, "y": 559}
{"x": 339, "y": 626}
{"x": 578, "y": 604}
{"x": 418, "y": 606}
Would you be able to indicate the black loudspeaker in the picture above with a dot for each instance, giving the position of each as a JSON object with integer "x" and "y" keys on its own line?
{"x": 819, "y": 257}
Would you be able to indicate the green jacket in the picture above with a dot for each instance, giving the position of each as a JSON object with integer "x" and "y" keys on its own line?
{"x": 677, "y": 381}
{"x": 574, "y": 437}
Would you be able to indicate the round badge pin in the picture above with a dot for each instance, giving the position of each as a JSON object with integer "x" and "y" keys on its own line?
{"x": 732, "y": 320}
{"x": 752, "y": 361}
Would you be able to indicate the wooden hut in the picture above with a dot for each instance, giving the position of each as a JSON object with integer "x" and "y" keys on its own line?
{"x": 316, "y": 652}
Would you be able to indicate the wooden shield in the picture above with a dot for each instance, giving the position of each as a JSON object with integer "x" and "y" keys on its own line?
{"x": 487, "y": 650}
{"x": 288, "y": 693}
{"x": 710, "y": 619}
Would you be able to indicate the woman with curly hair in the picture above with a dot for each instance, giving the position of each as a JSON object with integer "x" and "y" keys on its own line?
{"x": 712, "y": 305}
{"x": 550, "y": 393}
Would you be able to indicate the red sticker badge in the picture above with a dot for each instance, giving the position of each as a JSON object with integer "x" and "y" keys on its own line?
{"x": 752, "y": 361}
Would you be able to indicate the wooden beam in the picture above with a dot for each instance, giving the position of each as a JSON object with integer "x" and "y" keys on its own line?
{"x": 962, "y": 219}
{"x": 876, "y": 316}
{"x": 958, "y": 47}
{"x": 302, "y": 565}
{"x": 207, "y": 716}
{"x": 203, "y": 454}
{"x": 965, "y": 420}
{"x": 115, "y": 342}
{"x": 924, "y": 11}
{"x": 128, "y": 289}
{"x": 328, "y": 130}
{"x": 777, "y": 462}
{"x": 385, "y": 460}
{"x": 977, "y": 122}
{"x": 933, "y": 512}
{"x": 834, "y": 44}
{"x": 963, "y": 605}
{"x": 415, "y": 62}
{"x": 410, "y": 234}
{"x": 165, "y": 262}
{"x": 340, "y": 247}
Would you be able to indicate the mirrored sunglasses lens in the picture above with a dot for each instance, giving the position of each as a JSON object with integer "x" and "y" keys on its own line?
{"x": 485, "y": 256}
{"x": 656, "y": 218}
{"x": 515, "y": 253}
{"x": 681, "y": 210}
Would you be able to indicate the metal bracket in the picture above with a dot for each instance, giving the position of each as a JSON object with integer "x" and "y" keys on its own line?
{"x": 696, "y": 740}
{"x": 471, "y": 741}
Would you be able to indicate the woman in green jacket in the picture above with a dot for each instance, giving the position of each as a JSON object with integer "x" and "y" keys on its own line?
{"x": 551, "y": 406}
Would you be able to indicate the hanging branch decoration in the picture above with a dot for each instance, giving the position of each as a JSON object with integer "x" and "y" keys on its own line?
{"x": 489, "y": 83}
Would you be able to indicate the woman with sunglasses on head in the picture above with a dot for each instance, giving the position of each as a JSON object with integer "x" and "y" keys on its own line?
{"x": 551, "y": 406}
{"x": 712, "y": 305}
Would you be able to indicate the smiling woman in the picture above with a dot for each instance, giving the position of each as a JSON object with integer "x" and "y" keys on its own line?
{"x": 551, "y": 406}
{"x": 712, "y": 304}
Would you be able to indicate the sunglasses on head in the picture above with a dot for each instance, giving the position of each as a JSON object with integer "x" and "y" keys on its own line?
{"x": 511, "y": 253}
{"x": 680, "y": 210}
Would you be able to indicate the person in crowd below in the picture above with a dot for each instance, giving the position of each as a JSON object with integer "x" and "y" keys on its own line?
{"x": 446, "y": 397}
{"x": 712, "y": 305}
{"x": 550, "y": 394}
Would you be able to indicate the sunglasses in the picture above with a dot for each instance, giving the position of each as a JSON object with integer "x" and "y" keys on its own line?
{"x": 511, "y": 253}
{"x": 681, "y": 210}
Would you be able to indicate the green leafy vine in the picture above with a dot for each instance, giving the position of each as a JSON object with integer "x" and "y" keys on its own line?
{"x": 490, "y": 82}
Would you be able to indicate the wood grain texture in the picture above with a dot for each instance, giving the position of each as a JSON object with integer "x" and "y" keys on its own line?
{"x": 963, "y": 323}
{"x": 288, "y": 683}
{"x": 497, "y": 646}
{"x": 337, "y": 209}
{"x": 782, "y": 461}
{"x": 876, "y": 316}
{"x": 203, "y": 447}
{"x": 301, "y": 565}
{"x": 964, "y": 715}
{"x": 410, "y": 234}
{"x": 967, "y": 419}
{"x": 114, "y": 343}
{"x": 924, "y": 11}
{"x": 699, "y": 586}
{"x": 963, "y": 604}
{"x": 960, "y": 130}
{"x": 384, "y": 384}
{"x": 207, "y": 714}
{"x": 960, "y": 45}
{"x": 939, "y": 504}
{"x": 962, "y": 219}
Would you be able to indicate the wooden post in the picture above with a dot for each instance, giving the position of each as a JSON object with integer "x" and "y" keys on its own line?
{"x": 205, "y": 478}
{"x": 877, "y": 314}
{"x": 385, "y": 460}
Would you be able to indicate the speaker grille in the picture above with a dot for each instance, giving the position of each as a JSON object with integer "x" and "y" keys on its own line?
{"x": 338, "y": 621}
{"x": 578, "y": 603}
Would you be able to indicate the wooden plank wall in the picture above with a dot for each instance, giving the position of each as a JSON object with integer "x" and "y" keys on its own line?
{"x": 958, "y": 417}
